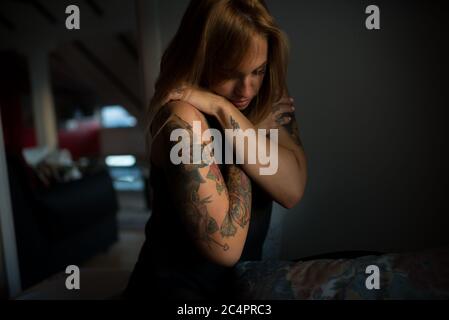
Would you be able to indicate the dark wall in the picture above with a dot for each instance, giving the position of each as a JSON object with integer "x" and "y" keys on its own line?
{"x": 372, "y": 111}
{"x": 371, "y": 107}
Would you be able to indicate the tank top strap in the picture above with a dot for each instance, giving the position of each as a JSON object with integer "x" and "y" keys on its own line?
{"x": 161, "y": 127}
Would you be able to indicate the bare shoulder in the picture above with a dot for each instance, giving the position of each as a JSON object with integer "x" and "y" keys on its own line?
{"x": 185, "y": 111}
{"x": 174, "y": 115}
{"x": 185, "y": 116}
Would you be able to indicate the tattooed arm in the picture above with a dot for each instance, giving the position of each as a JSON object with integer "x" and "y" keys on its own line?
{"x": 285, "y": 120}
{"x": 216, "y": 214}
{"x": 287, "y": 185}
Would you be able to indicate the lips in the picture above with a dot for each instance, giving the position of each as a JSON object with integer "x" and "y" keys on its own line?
{"x": 240, "y": 103}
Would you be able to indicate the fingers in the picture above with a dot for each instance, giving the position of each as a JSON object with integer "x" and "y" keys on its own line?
{"x": 286, "y": 100}
{"x": 284, "y": 109}
{"x": 284, "y": 103}
{"x": 179, "y": 93}
{"x": 283, "y": 120}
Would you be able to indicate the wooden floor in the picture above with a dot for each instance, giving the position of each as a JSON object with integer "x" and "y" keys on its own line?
{"x": 106, "y": 275}
{"x": 132, "y": 218}
{"x": 122, "y": 255}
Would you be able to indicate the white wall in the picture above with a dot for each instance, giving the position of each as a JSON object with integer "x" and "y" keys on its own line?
{"x": 131, "y": 141}
{"x": 3, "y": 282}
{"x": 9, "y": 265}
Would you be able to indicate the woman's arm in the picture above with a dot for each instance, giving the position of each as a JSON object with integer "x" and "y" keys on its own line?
{"x": 282, "y": 117}
{"x": 287, "y": 185}
{"x": 216, "y": 214}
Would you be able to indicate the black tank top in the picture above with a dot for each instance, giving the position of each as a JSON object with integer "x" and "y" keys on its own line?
{"x": 169, "y": 266}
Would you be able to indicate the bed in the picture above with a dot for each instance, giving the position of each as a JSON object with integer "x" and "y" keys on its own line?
{"x": 411, "y": 275}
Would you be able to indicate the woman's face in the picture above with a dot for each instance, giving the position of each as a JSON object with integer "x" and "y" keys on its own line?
{"x": 243, "y": 84}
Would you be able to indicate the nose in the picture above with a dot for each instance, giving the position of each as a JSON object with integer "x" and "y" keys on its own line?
{"x": 244, "y": 88}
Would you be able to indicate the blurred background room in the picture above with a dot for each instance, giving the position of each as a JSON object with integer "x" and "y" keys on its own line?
{"x": 72, "y": 109}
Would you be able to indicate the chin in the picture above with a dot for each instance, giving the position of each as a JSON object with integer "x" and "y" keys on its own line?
{"x": 241, "y": 108}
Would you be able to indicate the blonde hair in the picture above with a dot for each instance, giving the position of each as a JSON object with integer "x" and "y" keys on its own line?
{"x": 212, "y": 39}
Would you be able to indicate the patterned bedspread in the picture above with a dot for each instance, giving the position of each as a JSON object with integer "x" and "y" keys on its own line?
{"x": 420, "y": 275}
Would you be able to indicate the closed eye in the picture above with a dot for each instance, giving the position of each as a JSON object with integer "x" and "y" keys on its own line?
{"x": 260, "y": 72}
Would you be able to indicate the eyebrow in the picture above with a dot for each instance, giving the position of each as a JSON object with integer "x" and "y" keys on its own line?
{"x": 262, "y": 65}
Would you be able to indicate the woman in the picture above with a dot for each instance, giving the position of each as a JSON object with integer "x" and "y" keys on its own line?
{"x": 224, "y": 69}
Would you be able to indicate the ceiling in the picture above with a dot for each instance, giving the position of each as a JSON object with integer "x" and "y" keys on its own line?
{"x": 94, "y": 66}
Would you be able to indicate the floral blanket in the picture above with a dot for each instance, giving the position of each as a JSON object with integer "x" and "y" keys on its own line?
{"x": 420, "y": 275}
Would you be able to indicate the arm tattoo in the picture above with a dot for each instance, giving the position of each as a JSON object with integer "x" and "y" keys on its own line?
{"x": 292, "y": 129}
{"x": 214, "y": 175}
{"x": 200, "y": 225}
{"x": 239, "y": 187}
{"x": 235, "y": 125}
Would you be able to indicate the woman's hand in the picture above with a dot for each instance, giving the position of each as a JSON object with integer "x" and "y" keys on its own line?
{"x": 279, "y": 115}
{"x": 204, "y": 100}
